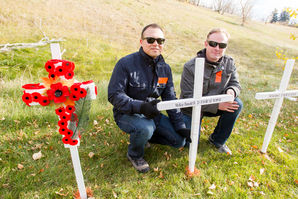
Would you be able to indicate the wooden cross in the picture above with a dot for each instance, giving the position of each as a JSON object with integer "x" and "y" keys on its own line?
{"x": 280, "y": 94}
{"x": 196, "y": 102}
{"x": 89, "y": 91}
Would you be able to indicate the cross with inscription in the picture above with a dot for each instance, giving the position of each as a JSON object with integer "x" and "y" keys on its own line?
{"x": 196, "y": 102}
{"x": 279, "y": 95}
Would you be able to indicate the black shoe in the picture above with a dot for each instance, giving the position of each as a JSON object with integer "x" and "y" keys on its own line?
{"x": 139, "y": 163}
{"x": 221, "y": 148}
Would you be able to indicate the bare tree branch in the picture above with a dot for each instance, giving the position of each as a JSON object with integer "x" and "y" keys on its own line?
{"x": 44, "y": 41}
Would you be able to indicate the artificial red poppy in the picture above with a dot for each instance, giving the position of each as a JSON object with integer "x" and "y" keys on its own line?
{"x": 66, "y": 140}
{"x": 96, "y": 90}
{"x": 50, "y": 66}
{"x": 60, "y": 71}
{"x": 60, "y": 110}
{"x": 36, "y": 96}
{"x": 69, "y": 133}
{"x": 68, "y": 65}
{"x": 62, "y": 123}
{"x": 75, "y": 88}
{"x": 64, "y": 117}
{"x": 52, "y": 75}
{"x": 62, "y": 130}
{"x": 69, "y": 75}
{"x": 44, "y": 101}
{"x": 27, "y": 98}
{"x": 83, "y": 93}
{"x": 74, "y": 97}
{"x": 70, "y": 109}
{"x": 58, "y": 93}
{"x": 73, "y": 142}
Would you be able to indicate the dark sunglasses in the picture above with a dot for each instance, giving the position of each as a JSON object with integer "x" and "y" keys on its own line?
{"x": 151, "y": 40}
{"x": 214, "y": 44}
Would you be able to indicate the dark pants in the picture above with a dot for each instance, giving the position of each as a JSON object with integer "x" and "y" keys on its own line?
{"x": 224, "y": 125}
{"x": 142, "y": 130}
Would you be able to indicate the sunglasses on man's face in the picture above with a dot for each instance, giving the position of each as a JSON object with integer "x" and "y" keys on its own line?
{"x": 214, "y": 44}
{"x": 151, "y": 40}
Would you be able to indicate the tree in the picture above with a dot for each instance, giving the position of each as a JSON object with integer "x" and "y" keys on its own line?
{"x": 274, "y": 16}
{"x": 246, "y": 8}
{"x": 284, "y": 16}
{"x": 222, "y": 6}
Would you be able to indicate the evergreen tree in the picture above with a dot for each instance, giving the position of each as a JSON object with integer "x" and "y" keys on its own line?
{"x": 284, "y": 16}
{"x": 274, "y": 16}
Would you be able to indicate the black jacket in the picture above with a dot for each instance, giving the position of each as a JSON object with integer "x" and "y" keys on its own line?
{"x": 137, "y": 78}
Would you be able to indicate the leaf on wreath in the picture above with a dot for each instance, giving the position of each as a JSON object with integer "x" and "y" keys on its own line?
{"x": 83, "y": 106}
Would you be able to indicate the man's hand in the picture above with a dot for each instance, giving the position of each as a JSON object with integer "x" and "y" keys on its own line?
{"x": 149, "y": 109}
{"x": 185, "y": 133}
{"x": 228, "y": 106}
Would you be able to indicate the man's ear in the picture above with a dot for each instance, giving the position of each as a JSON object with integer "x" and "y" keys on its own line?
{"x": 206, "y": 44}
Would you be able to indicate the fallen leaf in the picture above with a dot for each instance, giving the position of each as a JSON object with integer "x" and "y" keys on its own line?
{"x": 250, "y": 184}
{"x": 279, "y": 149}
{"x": 210, "y": 192}
{"x": 95, "y": 122}
{"x": 213, "y": 186}
{"x": 60, "y": 192}
{"x": 254, "y": 146}
{"x": 296, "y": 181}
{"x": 20, "y": 166}
{"x": 256, "y": 184}
{"x": 155, "y": 169}
{"x": 3, "y": 118}
{"x": 91, "y": 154}
{"x": 114, "y": 194}
{"x": 262, "y": 171}
{"x": 225, "y": 189}
{"x": 37, "y": 156}
{"x": 252, "y": 178}
{"x": 250, "y": 115}
{"x": 41, "y": 170}
{"x": 160, "y": 175}
{"x": 235, "y": 162}
{"x": 262, "y": 193}
{"x": 231, "y": 183}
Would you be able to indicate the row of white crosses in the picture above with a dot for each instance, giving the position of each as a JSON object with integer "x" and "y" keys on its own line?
{"x": 197, "y": 101}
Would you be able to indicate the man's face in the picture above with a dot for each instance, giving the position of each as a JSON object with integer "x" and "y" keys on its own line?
{"x": 154, "y": 49}
{"x": 213, "y": 54}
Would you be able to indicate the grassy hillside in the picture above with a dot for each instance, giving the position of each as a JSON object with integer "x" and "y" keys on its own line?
{"x": 99, "y": 32}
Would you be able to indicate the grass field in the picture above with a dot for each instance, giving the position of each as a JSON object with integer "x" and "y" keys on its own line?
{"x": 97, "y": 33}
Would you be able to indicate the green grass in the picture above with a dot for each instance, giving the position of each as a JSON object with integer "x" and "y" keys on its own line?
{"x": 95, "y": 39}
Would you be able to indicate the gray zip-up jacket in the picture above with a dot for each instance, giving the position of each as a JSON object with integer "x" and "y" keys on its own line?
{"x": 218, "y": 78}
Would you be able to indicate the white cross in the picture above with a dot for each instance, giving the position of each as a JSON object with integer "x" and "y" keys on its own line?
{"x": 196, "y": 102}
{"x": 280, "y": 94}
{"x": 56, "y": 54}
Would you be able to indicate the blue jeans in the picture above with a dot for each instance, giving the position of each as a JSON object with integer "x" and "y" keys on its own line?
{"x": 142, "y": 130}
{"x": 224, "y": 125}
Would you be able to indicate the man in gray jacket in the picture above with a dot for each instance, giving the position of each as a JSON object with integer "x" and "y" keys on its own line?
{"x": 220, "y": 77}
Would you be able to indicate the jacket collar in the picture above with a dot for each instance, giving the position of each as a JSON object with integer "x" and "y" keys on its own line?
{"x": 202, "y": 53}
{"x": 150, "y": 60}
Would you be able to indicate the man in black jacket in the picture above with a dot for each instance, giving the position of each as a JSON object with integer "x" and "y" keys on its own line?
{"x": 220, "y": 77}
{"x": 137, "y": 81}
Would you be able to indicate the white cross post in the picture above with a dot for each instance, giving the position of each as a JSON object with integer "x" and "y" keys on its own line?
{"x": 280, "y": 94}
{"x": 196, "y": 102}
{"x": 56, "y": 54}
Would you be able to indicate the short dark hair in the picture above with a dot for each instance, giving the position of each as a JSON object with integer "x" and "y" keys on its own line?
{"x": 153, "y": 25}
{"x": 218, "y": 30}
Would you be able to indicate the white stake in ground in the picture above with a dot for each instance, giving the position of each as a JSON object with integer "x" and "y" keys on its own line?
{"x": 280, "y": 94}
{"x": 196, "y": 102}
{"x": 56, "y": 54}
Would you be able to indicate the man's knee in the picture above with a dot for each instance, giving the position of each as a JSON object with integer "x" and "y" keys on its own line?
{"x": 146, "y": 131}
{"x": 239, "y": 102}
